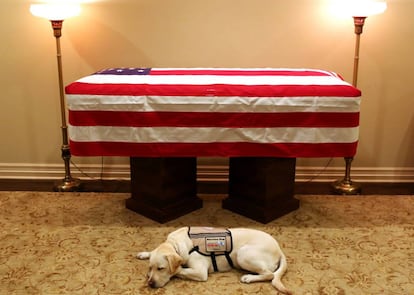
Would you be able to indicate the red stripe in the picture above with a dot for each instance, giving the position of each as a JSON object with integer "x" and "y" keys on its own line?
{"x": 231, "y": 72}
{"x": 197, "y": 119}
{"x": 286, "y": 150}
{"x": 219, "y": 90}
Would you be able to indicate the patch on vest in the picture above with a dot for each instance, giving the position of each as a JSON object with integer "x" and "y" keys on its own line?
{"x": 208, "y": 240}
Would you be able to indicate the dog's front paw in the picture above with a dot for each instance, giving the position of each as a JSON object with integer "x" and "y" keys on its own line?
{"x": 143, "y": 255}
{"x": 247, "y": 279}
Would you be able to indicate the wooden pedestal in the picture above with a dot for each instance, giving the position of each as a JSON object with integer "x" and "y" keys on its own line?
{"x": 163, "y": 189}
{"x": 261, "y": 188}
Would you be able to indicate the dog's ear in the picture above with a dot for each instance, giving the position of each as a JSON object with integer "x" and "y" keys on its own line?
{"x": 174, "y": 262}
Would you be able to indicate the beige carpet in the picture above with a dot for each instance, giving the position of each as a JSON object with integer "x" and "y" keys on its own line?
{"x": 84, "y": 243}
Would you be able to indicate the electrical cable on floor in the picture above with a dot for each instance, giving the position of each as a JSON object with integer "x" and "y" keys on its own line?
{"x": 320, "y": 172}
{"x": 102, "y": 167}
{"x": 87, "y": 175}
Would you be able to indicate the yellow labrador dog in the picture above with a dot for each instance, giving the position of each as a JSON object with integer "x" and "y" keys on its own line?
{"x": 248, "y": 249}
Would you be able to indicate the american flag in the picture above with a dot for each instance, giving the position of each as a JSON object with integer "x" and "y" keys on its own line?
{"x": 167, "y": 112}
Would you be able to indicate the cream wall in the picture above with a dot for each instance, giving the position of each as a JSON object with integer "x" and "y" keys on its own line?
{"x": 205, "y": 33}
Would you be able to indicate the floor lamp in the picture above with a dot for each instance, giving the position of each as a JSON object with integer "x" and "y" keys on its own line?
{"x": 56, "y": 13}
{"x": 359, "y": 10}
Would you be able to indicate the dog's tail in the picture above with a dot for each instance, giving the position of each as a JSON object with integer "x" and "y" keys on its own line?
{"x": 277, "y": 276}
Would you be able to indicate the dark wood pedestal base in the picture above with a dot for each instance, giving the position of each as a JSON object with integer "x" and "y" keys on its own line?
{"x": 261, "y": 188}
{"x": 163, "y": 189}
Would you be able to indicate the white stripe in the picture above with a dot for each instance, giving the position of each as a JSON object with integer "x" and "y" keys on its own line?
{"x": 212, "y": 103}
{"x": 248, "y": 70}
{"x": 213, "y": 134}
{"x": 212, "y": 79}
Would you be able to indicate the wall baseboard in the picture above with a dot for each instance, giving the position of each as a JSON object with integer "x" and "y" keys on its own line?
{"x": 205, "y": 173}
{"x": 360, "y": 174}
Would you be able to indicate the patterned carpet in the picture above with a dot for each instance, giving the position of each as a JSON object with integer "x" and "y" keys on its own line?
{"x": 84, "y": 243}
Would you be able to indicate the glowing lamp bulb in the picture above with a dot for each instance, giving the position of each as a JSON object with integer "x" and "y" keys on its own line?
{"x": 55, "y": 11}
{"x": 368, "y": 8}
{"x": 358, "y": 8}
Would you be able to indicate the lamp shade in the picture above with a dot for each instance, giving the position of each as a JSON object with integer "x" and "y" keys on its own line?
{"x": 55, "y": 11}
{"x": 368, "y": 8}
{"x": 358, "y": 8}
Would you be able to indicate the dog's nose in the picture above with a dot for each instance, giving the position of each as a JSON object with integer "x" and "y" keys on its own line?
{"x": 151, "y": 283}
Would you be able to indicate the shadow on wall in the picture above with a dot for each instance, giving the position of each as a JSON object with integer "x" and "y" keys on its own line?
{"x": 100, "y": 46}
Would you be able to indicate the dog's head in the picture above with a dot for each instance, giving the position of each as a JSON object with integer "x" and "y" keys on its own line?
{"x": 164, "y": 263}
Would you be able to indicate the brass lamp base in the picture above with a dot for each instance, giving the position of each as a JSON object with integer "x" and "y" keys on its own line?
{"x": 346, "y": 187}
{"x": 68, "y": 185}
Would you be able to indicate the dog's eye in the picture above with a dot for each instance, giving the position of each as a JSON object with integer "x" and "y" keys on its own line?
{"x": 160, "y": 268}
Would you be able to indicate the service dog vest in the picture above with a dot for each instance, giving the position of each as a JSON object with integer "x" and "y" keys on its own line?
{"x": 211, "y": 241}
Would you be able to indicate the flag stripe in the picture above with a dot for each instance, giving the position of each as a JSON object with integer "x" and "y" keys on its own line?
{"x": 210, "y": 119}
{"x": 212, "y": 103}
{"x": 220, "y": 90}
{"x": 239, "y": 149}
{"x": 241, "y": 72}
{"x": 212, "y": 134}
{"x": 217, "y": 72}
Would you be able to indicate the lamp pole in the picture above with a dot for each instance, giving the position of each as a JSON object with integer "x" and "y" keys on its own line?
{"x": 359, "y": 22}
{"x": 56, "y": 13}
{"x": 360, "y": 10}
{"x": 346, "y": 186}
{"x": 68, "y": 183}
